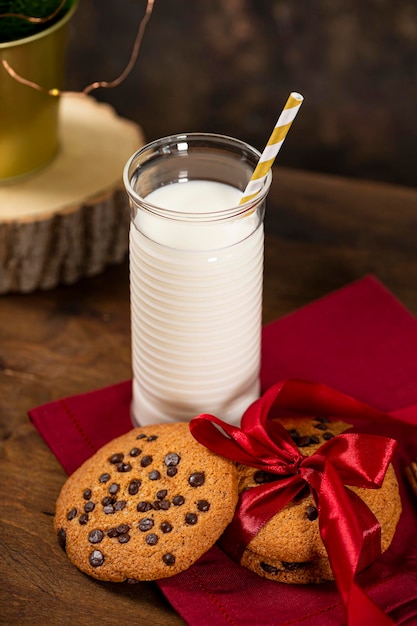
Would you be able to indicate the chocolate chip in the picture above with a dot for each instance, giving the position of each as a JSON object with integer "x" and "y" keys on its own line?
{"x": 203, "y": 505}
{"x": 178, "y": 500}
{"x": 293, "y": 566}
{"x": 121, "y": 529}
{"x": 89, "y": 506}
{"x": 142, "y": 507}
{"x": 314, "y": 439}
{"x": 166, "y": 527}
{"x": 320, "y": 426}
{"x": 120, "y": 505}
{"x": 172, "y": 471}
{"x": 164, "y": 505}
{"x": 87, "y": 494}
{"x": 135, "y": 452}
{"x": 141, "y": 436}
{"x": 152, "y": 539}
{"x": 114, "y": 488}
{"x": 294, "y": 434}
{"x": 261, "y": 477}
{"x": 161, "y": 494}
{"x": 121, "y": 532}
{"x": 196, "y": 479}
{"x": 172, "y": 459}
{"x": 303, "y": 441}
{"x": 123, "y": 467}
{"x": 156, "y": 505}
{"x": 154, "y": 475}
{"x": 152, "y": 437}
{"x": 191, "y": 519}
{"x": 322, "y": 419}
{"x": 96, "y": 558}
{"x": 146, "y": 460}
{"x": 328, "y": 435}
{"x": 108, "y": 509}
{"x": 269, "y": 569}
{"x": 95, "y": 536}
{"x": 168, "y": 559}
{"x": 83, "y": 519}
{"x": 146, "y": 524}
{"x": 71, "y": 514}
{"x": 116, "y": 458}
{"x": 108, "y": 500}
{"x": 312, "y": 513}
{"x": 104, "y": 478}
{"x": 62, "y": 538}
{"x": 134, "y": 487}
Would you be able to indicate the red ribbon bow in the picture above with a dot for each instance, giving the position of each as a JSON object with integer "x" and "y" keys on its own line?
{"x": 349, "y": 530}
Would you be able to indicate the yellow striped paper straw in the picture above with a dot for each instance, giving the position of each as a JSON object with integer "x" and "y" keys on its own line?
{"x": 273, "y": 146}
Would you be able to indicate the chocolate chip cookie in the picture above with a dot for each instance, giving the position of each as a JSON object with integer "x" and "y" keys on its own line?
{"x": 146, "y": 505}
{"x": 289, "y": 547}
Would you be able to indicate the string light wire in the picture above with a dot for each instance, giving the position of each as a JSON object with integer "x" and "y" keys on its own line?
{"x": 35, "y": 20}
{"x": 97, "y": 84}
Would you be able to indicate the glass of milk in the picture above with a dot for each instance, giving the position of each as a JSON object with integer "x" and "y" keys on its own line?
{"x": 196, "y": 273}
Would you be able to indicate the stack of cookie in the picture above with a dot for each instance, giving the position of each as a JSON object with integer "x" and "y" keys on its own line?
{"x": 289, "y": 547}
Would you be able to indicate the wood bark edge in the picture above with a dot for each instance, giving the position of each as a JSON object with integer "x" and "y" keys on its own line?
{"x": 64, "y": 247}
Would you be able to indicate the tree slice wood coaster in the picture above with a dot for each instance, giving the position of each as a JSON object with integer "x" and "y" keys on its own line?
{"x": 72, "y": 218}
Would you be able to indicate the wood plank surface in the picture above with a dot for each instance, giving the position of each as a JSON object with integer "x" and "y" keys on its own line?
{"x": 322, "y": 232}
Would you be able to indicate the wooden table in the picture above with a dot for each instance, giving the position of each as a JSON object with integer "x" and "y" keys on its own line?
{"x": 322, "y": 232}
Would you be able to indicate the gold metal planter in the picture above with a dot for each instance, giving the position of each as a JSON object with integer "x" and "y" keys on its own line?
{"x": 29, "y": 133}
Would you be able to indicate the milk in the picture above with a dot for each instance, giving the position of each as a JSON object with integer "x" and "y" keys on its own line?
{"x": 196, "y": 298}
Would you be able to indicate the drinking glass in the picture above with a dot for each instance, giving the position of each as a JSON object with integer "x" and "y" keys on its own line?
{"x": 196, "y": 274}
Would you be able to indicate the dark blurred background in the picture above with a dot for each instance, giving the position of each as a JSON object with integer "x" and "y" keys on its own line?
{"x": 228, "y": 66}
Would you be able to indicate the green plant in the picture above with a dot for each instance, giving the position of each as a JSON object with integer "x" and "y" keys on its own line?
{"x": 14, "y": 28}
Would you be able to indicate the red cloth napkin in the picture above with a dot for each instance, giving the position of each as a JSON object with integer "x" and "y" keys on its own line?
{"x": 360, "y": 340}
